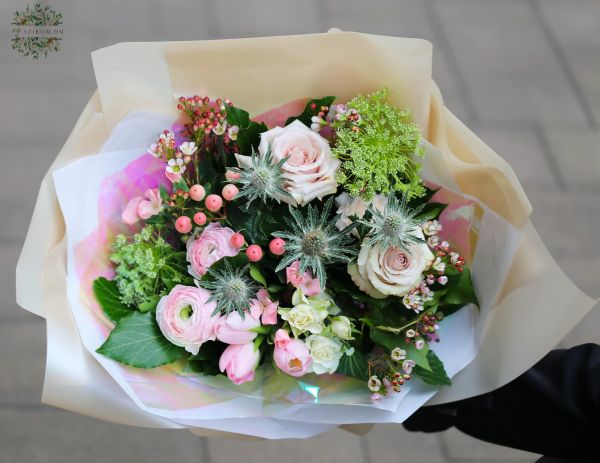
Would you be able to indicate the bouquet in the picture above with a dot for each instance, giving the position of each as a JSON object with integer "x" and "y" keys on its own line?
{"x": 285, "y": 262}
{"x": 309, "y": 247}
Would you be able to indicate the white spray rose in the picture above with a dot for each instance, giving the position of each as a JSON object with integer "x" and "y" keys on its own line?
{"x": 325, "y": 353}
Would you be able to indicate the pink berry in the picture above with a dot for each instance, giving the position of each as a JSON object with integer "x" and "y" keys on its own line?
{"x": 213, "y": 202}
{"x": 230, "y": 175}
{"x": 197, "y": 192}
{"x": 254, "y": 253}
{"x": 237, "y": 240}
{"x": 183, "y": 224}
{"x": 277, "y": 246}
{"x": 229, "y": 192}
{"x": 199, "y": 218}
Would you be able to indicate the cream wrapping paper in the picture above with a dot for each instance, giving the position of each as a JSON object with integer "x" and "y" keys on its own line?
{"x": 259, "y": 74}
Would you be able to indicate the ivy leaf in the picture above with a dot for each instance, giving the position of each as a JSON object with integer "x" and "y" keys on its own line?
{"x": 437, "y": 376}
{"x": 308, "y": 112}
{"x": 108, "y": 297}
{"x": 354, "y": 365}
{"x": 138, "y": 342}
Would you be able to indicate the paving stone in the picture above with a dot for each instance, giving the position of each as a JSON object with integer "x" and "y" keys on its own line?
{"x": 577, "y": 155}
{"x": 461, "y": 447}
{"x": 576, "y": 27}
{"x": 391, "y": 443}
{"x": 43, "y": 434}
{"x": 334, "y": 446}
{"x": 507, "y": 63}
{"x": 520, "y": 148}
{"x": 23, "y": 346}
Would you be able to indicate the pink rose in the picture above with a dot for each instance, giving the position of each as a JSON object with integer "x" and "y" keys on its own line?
{"x": 306, "y": 283}
{"x": 264, "y": 307}
{"x": 310, "y": 168}
{"x": 240, "y": 361}
{"x": 130, "y": 214}
{"x": 233, "y": 329}
{"x": 151, "y": 205}
{"x": 185, "y": 317}
{"x": 213, "y": 244}
{"x": 139, "y": 208}
{"x": 291, "y": 355}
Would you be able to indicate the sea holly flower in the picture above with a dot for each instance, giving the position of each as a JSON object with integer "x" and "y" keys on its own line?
{"x": 175, "y": 166}
{"x": 231, "y": 288}
{"x": 260, "y": 177}
{"x": 325, "y": 353}
{"x": 313, "y": 240}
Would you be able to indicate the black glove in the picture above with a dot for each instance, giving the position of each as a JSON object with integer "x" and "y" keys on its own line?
{"x": 552, "y": 409}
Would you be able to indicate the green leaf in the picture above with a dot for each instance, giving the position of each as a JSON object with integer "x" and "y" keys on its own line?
{"x": 137, "y": 341}
{"x": 308, "y": 112}
{"x": 257, "y": 276}
{"x": 419, "y": 356}
{"x": 249, "y": 133}
{"x": 180, "y": 185}
{"x": 437, "y": 375}
{"x": 432, "y": 211}
{"x": 461, "y": 291}
{"x": 386, "y": 339}
{"x": 354, "y": 365}
{"x": 150, "y": 304}
{"x": 108, "y": 297}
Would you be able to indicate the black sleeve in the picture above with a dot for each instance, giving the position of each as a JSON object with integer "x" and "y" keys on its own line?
{"x": 552, "y": 409}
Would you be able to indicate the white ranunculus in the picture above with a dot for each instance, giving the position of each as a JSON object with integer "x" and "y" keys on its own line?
{"x": 310, "y": 168}
{"x": 341, "y": 327}
{"x": 325, "y": 353}
{"x": 392, "y": 272}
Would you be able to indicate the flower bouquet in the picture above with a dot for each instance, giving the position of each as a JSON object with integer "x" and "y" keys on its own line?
{"x": 327, "y": 262}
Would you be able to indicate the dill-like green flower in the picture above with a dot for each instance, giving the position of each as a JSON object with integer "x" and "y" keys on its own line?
{"x": 315, "y": 241}
{"x": 376, "y": 143}
{"x": 146, "y": 266}
{"x": 396, "y": 225}
{"x": 231, "y": 288}
{"x": 262, "y": 179}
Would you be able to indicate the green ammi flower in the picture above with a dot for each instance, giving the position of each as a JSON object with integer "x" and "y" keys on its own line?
{"x": 377, "y": 143}
{"x": 231, "y": 288}
{"x": 396, "y": 226}
{"x": 314, "y": 241}
{"x": 261, "y": 179}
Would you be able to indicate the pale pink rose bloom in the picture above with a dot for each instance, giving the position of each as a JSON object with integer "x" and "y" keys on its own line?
{"x": 233, "y": 329}
{"x": 310, "y": 167}
{"x": 151, "y": 205}
{"x": 130, "y": 214}
{"x": 172, "y": 176}
{"x": 240, "y": 362}
{"x": 213, "y": 244}
{"x": 306, "y": 283}
{"x": 185, "y": 317}
{"x": 265, "y": 307}
{"x": 291, "y": 355}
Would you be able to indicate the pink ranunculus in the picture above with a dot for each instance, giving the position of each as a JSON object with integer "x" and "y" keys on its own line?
{"x": 151, "y": 205}
{"x": 264, "y": 307}
{"x": 233, "y": 329}
{"x": 130, "y": 214}
{"x": 291, "y": 355}
{"x": 240, "y": 362}
{"x": 213, "y": 244}
{"x": 306, "y": 283}
{"x": 185, "y": 317}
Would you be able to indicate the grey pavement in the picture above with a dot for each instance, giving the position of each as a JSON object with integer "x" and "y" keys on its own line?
{"x": 523, "y": 74}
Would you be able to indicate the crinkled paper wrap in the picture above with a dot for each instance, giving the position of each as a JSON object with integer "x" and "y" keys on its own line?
{"x": 258, "y": 75}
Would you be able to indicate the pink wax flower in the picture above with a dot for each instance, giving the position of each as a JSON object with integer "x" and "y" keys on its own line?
{"x": 213, "y": 244}
{"x": 240, "y": 362}
{"x": 291, "y": 355}
{"x": 306, "y": 283}
{"x": 173, "y": 177}
{"x": 185, "y": 317}
{"x": 233, "y": 329}
{"x": 265, "y": 307}
{"x": 142, "y": 207}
